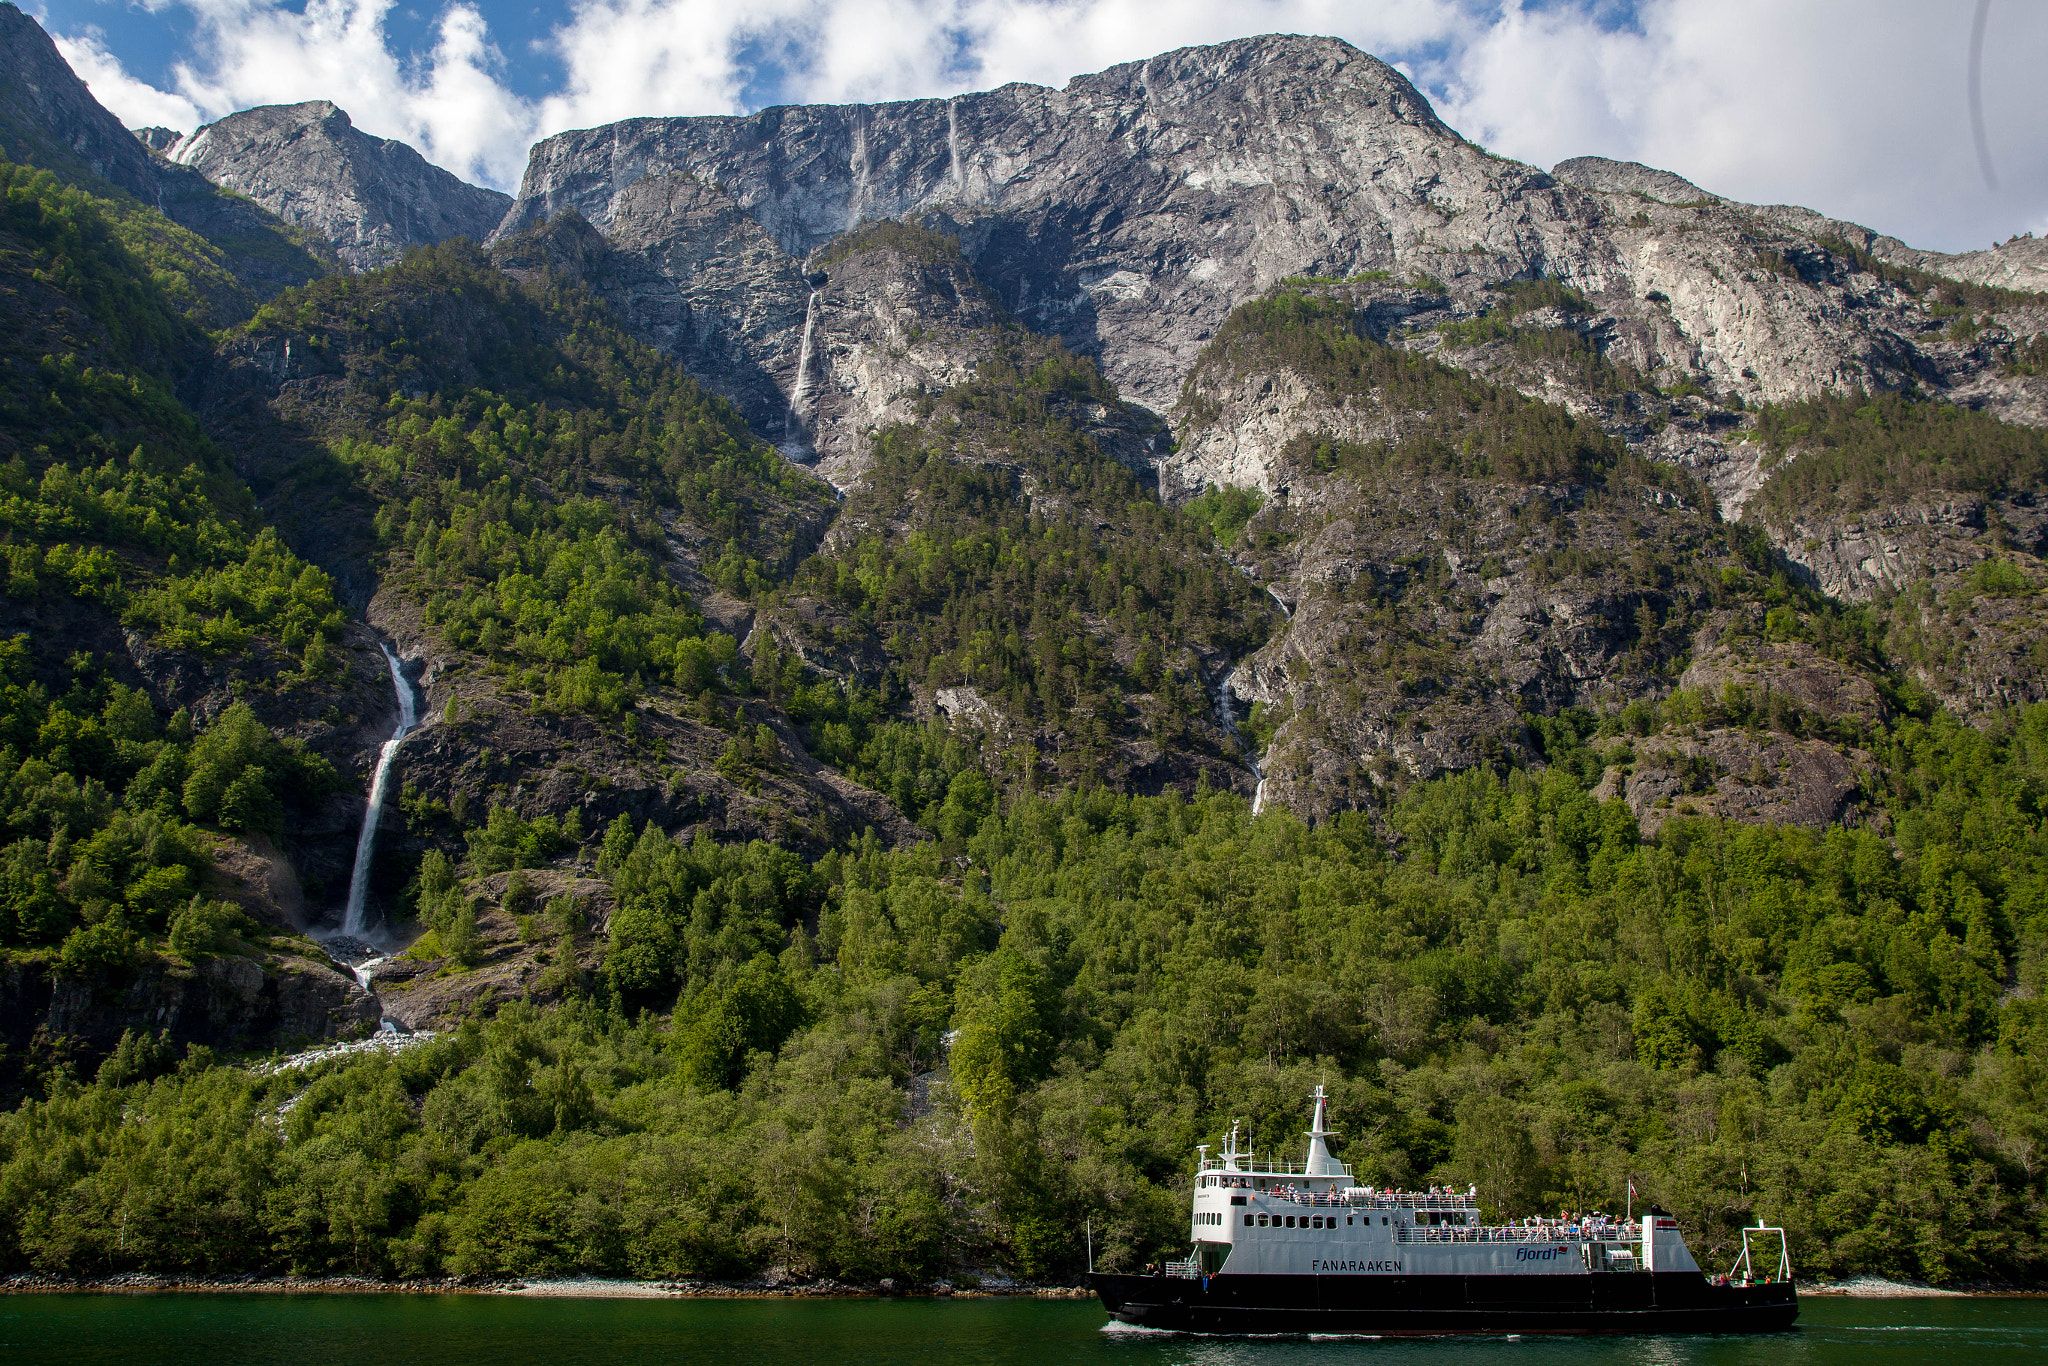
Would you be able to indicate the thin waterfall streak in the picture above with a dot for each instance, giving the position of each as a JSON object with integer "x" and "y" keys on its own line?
{"x": 953, "y": 138}
{"x": 1226, "y": 716}
{"x": 366, "y": 841}
{"x": 859, "y": 166}
{"x": 792, "y": 421}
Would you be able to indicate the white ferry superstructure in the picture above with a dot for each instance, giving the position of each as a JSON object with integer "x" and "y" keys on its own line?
{"x": 1301, "y": 1247}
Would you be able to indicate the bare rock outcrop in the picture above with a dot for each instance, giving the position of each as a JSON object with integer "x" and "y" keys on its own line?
{"x": 370, "y": 197}
{"x": 1629, "y": 177}
{"x": 1131, "y": 210}
{"x": 1757, "y": 777}
{"x": 276, "y": 995}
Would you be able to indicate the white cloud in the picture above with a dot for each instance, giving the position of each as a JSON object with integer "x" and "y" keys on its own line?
{"x": 628, "y": 58}
{"x": 139, "y": 104}
{"x": 1858, "y": 108}
{"x": 1855, "y": 107}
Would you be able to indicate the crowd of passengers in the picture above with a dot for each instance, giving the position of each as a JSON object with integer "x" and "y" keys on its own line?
{"x": 1597, "y": 1226}
{"x": 1594, "y": 1227}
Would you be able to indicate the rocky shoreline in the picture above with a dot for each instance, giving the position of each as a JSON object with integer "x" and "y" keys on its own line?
{"x": 770, "y": 1286}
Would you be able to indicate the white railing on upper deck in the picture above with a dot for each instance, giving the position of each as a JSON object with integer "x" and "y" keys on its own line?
{"x": 1255, "y": 1168}
{"x": 1458, "y": 1200}
{"x": 1187, "y": 1270}
{"x": 1514, "y": 1233}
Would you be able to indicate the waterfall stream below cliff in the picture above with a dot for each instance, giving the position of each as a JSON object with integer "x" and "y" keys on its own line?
{"x": 793, "y": 434}
{"x": 1226, "y": 716}
{"x": 366, "y": 841}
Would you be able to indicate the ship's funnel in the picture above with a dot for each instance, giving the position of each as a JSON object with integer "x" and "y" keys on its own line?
{"x": 1320, "y": 1163}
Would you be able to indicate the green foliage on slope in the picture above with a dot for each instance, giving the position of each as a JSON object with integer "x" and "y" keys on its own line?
{"x": 998, "y": 548}
{"x": 1811, "y": 1028}
{"x": 97, "y": 796}
{"x": 111, "y": 492}
{"x": 1854, "y": 451}
{"x": 528, "y": 461}
{"x": 1938, "y": 290}
{"x": 1443, "y": 421}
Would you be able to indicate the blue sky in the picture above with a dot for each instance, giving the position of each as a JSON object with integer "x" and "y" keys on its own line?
{"x": 1854, "y": 107}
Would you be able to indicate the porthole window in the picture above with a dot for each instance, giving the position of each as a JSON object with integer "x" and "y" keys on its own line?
{"x": 1248, "y": 1221}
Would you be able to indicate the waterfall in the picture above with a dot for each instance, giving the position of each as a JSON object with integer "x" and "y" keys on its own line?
{"x": 859, "y": 167}
{"x": 793, "y": 420}
{"x": 366, "y": 842}
{"x": 1226, "y": 716}
{"x": 953, "y": 138}
{"x": 1274, "y": 594}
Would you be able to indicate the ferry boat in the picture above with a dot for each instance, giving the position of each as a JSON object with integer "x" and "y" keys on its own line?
{"x": 1283, "y": 1247}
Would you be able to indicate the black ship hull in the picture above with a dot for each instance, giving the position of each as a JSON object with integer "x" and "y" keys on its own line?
{"x": 1622, "y": 1302}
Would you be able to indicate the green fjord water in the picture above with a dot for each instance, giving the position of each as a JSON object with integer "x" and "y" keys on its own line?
{"x": 444, "y": 1330}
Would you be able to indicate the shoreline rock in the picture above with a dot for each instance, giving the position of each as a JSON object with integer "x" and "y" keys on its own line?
{"x": 40, "y": 1283}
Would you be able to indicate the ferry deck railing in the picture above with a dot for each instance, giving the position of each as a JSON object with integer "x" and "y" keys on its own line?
{"x": 1611, "y": 1234}
{"x": 1355, "y": 1197}
{"x": 1267, "y": 1168}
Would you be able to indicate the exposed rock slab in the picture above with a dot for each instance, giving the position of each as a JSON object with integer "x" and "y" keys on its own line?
{"x": 370, "y": 197}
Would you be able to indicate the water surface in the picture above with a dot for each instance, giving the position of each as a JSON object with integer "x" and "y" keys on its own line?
{"x": 453, "y": 1330}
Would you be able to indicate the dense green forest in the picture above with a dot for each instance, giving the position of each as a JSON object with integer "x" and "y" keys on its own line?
{"x": 527, "y": 460}
{"x": 998, "y": 547}
{"x": 1852, "y": 452}
{"x": 1519, "y": 994}
{"x": 116, "y": 508}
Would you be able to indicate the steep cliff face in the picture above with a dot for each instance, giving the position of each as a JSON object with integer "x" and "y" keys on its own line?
{"x": 277, "y": 994}
{"x": 1471, "y": 553}
{"x": 1129, "y": 212}
{"x": 1126, "y": 213}
{"x": 897, "y": 316}
{"x": 371, "y": 198}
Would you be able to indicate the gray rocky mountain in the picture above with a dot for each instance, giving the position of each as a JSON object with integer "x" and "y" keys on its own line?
{"x": 311, "y": 166}
{"x": 1629, "y": 177}
{"x": 832, "y": 269}
{"x": 1130, "y": 211}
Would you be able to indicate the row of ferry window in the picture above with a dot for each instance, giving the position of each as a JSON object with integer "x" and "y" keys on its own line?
{"x": 1307, "y": 1220}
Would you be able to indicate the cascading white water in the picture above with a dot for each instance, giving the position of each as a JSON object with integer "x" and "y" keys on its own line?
{"x": 366, "y": 842}
{"x": 1226, "y": 716}
{"x": 793, "y": 420}
{"x": 1274, "y": 594}
{"x": 857, "y": 206}
{"x": 953, "y": 137}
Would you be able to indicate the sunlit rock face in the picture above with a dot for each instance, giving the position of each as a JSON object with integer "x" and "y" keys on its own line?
{"x": 370, "y": 197}
{"x": 1130, "y": 211}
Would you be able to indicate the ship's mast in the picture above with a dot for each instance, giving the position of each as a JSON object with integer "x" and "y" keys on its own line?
{"x": 1320, "y": 1163}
